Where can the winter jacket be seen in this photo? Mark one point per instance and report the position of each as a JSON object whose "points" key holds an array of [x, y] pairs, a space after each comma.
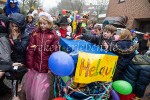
{"points": [[19, 48], [30, 27], [41, 45], [5, 50], [138, 75], [126, 51], [86, 30]]}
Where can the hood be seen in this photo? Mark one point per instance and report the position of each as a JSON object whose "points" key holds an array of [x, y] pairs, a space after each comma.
{"points": [[18, 19], [125, 47]]}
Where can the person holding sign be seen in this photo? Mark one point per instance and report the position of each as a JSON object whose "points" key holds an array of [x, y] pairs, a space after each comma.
{"points": [[125, 49], [102, 39]]}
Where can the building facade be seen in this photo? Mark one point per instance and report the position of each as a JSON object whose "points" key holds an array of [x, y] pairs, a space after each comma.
{"points": [[137, 11]]}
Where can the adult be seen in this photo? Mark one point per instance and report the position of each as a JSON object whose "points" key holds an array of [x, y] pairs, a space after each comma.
{"points": [[144, 44], [11, 7]]}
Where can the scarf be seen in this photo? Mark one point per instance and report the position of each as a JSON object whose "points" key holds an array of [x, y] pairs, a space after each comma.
{"points": [[63, 32]]}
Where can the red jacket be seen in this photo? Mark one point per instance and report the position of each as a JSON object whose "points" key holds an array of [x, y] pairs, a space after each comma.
{"points": [[41, 46]]}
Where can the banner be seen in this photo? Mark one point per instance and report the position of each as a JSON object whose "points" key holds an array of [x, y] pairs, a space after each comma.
{"points": [[95, 67]]}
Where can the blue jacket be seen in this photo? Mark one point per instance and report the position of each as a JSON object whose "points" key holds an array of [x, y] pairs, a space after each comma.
{"points": [[125, 49]]}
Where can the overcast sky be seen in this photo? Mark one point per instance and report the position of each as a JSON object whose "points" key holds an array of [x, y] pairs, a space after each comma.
{"points": [[49, 3]]}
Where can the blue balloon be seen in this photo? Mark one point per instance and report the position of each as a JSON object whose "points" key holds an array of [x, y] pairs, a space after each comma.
{"points": [[61, 63]]}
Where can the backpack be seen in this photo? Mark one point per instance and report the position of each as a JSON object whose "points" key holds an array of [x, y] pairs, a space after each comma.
{"points": [[141, 60]]}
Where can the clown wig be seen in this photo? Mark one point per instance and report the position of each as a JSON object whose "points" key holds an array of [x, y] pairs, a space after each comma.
{"points": [[9, 9]]}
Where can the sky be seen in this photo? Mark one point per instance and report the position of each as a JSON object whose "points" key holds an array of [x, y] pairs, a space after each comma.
{"points": [[47, 4]]}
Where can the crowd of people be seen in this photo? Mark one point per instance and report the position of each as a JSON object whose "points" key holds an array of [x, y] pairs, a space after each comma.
{"points": [[28, 41]]}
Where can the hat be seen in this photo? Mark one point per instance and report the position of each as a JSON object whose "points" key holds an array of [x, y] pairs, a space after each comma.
{"points": [[64, 20], [32, 8], [30, 14], [46, 15], [18, 19], [106, 22]]}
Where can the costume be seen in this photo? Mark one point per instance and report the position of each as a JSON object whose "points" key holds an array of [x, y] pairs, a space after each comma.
{"points": [[9, 10], [38, 83]]}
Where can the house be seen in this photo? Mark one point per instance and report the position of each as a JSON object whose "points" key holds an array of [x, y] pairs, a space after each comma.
{"points": [[137, 11], [96, 9]]}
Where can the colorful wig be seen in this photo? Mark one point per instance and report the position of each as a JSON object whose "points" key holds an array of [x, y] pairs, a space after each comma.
{"points": [[9, 9]]}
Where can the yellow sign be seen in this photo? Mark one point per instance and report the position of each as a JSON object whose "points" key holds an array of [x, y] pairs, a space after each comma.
{"points": [[95, 67]]}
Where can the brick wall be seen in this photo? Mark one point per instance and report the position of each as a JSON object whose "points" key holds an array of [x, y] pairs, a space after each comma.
{"points": [[134, 9]]}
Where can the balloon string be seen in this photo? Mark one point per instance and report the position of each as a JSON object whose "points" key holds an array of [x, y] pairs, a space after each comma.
{"points": [[106, 89], [76, 90], [55, 87]]}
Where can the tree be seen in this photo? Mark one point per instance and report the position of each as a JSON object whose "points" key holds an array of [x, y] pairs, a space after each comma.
{"points": [[69, 5], [54, 11], [29, 4]]}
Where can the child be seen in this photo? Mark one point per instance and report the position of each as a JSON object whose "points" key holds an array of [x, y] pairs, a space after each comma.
{"points": [[18, 37], [19, 41], [89, 27], [43, 42], [102, 40], [63, 24], [125, 49], [97, 30], [30, 23]]}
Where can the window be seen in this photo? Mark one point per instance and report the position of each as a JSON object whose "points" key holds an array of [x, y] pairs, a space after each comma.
{"points": [[120, 1]]}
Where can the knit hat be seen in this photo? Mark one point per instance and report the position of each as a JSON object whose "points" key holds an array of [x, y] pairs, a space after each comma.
{"points": [[30, 14], [46, 15]]}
